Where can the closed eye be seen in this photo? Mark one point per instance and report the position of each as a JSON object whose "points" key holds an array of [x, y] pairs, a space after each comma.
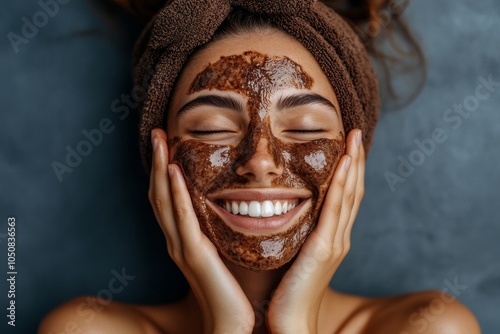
{"points": [[306, 131], [304, 135], [210, 132]]}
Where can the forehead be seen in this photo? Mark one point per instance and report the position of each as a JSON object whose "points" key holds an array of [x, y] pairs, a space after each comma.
{"points": [[251, 72], [272, 44]]}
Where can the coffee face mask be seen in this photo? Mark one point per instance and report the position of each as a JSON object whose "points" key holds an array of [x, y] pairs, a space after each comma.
{"points": [[211, 169]]}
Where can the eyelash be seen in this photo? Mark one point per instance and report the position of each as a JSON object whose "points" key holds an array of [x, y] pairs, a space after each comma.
{"points": [[306, 131], [209, 132]]}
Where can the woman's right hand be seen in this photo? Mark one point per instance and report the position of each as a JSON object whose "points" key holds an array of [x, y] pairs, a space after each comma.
{"points": [[223, 303]]}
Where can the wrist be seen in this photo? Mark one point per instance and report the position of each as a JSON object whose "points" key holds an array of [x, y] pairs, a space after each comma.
{"points": [[303, 320], [295, 329], [231, 327]]}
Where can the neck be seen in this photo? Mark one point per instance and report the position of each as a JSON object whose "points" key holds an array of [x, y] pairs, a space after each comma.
{"points": [[258, 287]]}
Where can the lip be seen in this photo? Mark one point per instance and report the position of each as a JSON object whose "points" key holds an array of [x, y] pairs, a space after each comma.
{"points": [[260, 195], [251, 225]]}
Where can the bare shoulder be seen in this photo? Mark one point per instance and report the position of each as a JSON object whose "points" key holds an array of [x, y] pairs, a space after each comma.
{"points": [[432, 312], [87, 315]]}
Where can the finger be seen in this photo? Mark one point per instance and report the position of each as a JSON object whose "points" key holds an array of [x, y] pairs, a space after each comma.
{"points": [[332, 205], [349, 197], [185, 217], [360, 191], [159, 194], [159, 133]]}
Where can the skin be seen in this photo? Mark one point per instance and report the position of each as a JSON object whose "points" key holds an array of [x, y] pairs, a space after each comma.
{"points": [[295, 298]]}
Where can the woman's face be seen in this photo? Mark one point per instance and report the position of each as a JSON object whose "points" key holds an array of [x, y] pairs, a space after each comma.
{"points": [[255, 126]]}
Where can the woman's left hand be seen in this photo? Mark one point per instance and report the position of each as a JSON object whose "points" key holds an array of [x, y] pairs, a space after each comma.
{"points": [[295, 305]]}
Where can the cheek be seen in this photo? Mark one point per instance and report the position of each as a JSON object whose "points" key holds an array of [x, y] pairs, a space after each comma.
{"points": [[200, 162], [314, 162]]}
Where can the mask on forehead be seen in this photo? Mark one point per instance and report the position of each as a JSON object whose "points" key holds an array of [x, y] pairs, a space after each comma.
{"points": [[210, 168]]}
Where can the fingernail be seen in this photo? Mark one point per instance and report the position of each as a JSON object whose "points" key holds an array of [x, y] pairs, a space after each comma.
{"points": [[358, 137], [347, 163], [155, 144]]}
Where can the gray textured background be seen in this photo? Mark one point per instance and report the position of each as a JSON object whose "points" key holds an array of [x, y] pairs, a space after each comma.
{"points": [[440, 225]]}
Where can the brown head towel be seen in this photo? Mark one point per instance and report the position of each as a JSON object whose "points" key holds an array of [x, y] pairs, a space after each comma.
{"points": [[184, 25]]}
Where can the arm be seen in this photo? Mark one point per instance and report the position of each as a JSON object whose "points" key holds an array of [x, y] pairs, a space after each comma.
{"points": [[223, 303]]}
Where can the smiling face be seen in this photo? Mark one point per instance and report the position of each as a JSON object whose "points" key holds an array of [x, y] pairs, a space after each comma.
{"points": [[254, 125]]}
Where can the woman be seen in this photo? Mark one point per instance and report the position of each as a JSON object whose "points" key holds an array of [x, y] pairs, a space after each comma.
{"points": [[254, 130]]}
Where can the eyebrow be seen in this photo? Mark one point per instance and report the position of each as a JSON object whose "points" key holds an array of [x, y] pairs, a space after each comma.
{"points": [[226, 102], [297, 100]]}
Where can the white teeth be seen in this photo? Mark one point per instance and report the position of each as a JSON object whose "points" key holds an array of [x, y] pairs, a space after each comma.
{"points": [[243, 209], [277, 208], [235, 208], [254, 209], [267, 209], [259, 209]]}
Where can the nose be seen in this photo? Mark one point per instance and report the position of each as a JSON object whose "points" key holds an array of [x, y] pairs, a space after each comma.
{"points": [[261, 167]]}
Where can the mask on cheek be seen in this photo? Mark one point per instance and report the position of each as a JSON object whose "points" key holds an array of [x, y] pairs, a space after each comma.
{"points": [[209, 169]]}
